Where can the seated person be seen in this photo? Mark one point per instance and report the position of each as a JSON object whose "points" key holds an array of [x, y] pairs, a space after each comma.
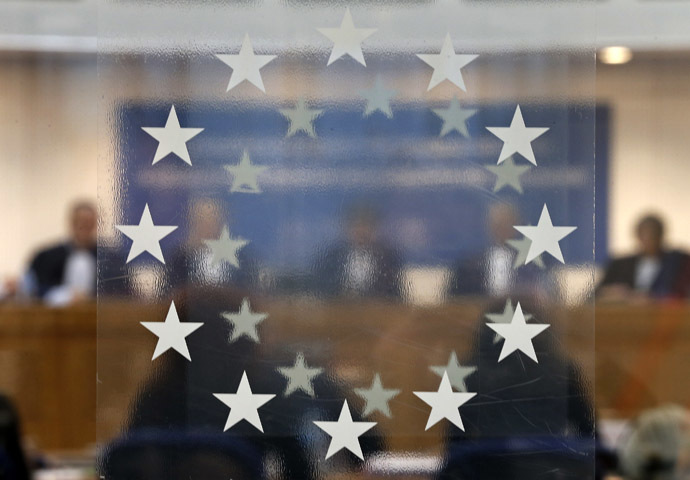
{"points": [[651, 273], [360, 264], [66, 272]]}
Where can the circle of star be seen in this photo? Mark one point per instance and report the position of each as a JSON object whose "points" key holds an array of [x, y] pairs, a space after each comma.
{"points": [[378, 98], [244, 175], [300, 376], [246, 65], [447, 65], [517, 138], [457, 374], [347, 39], [518, 334], [244, 322], [146, 236], [377, 397], [172, 138], [225, 248], [345, 433], [454, 118], [508, 175], [545, 237], [504, 317], [301, 119], [172, 333], [445, 403], [244, 405]]}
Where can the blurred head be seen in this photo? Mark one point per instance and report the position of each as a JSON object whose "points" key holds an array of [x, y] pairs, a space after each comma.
{"points": [[650, 234], [501, 219], [205, 219], [361, 225], [659, 445], [83, 222]]}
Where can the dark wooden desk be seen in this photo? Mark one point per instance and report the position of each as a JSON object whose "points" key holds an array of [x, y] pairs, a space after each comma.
{"points": [[48, 356]]}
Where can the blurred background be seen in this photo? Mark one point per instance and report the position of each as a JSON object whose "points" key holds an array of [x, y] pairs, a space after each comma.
{"points": [[58, 73]]}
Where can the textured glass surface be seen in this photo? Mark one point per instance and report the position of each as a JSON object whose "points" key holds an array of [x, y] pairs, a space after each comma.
{"points": [[371, 249]]}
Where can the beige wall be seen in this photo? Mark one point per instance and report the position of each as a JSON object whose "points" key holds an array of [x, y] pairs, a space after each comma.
{"points": [[47, 149], [48, 146]]}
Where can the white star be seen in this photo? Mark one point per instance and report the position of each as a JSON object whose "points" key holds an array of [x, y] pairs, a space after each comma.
{"points": [[146, 236], [345, 433], [517, 138], [226, 248], [172, 138], [245, 175], [456, 372], [347, 39], [300, 376], [244, 322], [521, 246], [378, 98], [171, 333], [244, 405], [518, 334], [505, 317], [377, 397], [301, 118], [454, 118], [508, 175], [445, 403], [545, 237], [447, 64], [246, 65]]}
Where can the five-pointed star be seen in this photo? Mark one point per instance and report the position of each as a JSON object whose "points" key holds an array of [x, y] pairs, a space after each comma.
{"points": [[517, 138], [447, 64], [545, 237], [172, 138], [171, 333], [505, 317], [454, 118], [347, 39], [522, 247], [244, 322], [518, 334], [301, 118], [146, 236], [244, 175], [226, 248], [456, 372], [345, 433], [445, 403], [244, 405], [300, 376], [508, 174], [246, 65], [378, 97], [377, 397]]}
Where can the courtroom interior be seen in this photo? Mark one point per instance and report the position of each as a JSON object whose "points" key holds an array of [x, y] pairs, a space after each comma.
{"points": [[333, 238]]}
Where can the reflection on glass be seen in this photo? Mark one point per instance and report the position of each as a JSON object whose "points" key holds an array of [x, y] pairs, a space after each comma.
{"points": [[344, 246]]}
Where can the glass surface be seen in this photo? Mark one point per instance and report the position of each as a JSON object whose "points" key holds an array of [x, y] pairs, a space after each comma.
{"points": [[372, 249]]}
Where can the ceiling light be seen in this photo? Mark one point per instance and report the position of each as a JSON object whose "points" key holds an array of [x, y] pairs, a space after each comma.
{"points": [[615, 55]]}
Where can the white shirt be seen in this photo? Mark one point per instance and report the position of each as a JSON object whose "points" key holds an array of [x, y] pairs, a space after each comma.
{"points": [[499, 275], [646, 271]]}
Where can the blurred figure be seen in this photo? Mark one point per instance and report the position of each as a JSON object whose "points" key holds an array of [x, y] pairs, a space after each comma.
{"points": [[494, 272], [529, 419], [66, 273], [653, 272], [194, 264], [360, 264], [13, 464], [658, 447]]}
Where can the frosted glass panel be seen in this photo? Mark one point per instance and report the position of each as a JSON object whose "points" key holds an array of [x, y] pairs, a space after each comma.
{"points": [[346, 241]]}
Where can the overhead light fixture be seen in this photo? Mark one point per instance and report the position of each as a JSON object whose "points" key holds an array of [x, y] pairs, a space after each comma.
{"points": [[615, 55]]}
